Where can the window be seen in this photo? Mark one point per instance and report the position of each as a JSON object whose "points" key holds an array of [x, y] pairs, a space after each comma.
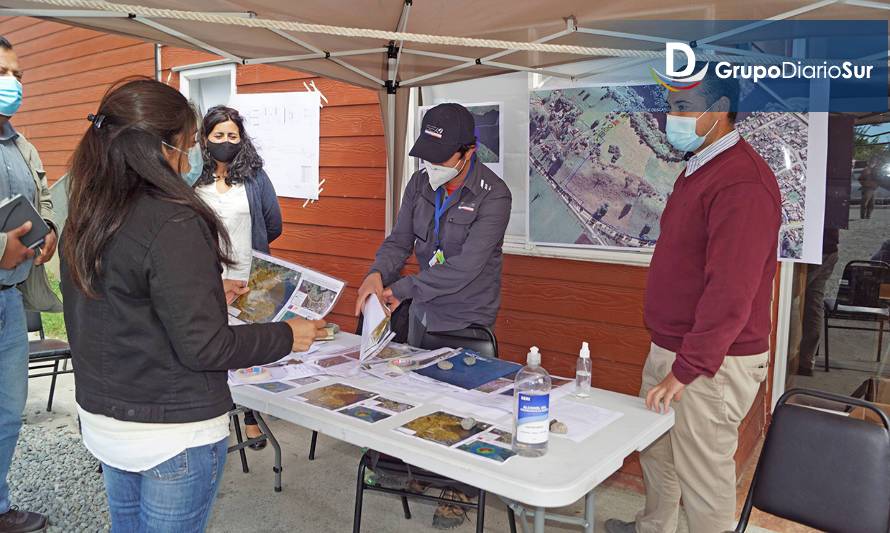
{"points": [[207, 86]]}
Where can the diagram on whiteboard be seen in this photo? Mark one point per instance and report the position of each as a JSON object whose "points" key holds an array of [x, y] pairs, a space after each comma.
{"points": [[601, 170], [285, 129]]}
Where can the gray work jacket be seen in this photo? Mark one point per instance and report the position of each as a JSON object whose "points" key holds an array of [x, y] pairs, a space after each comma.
{"points": [[466, 289], [36, 292]]}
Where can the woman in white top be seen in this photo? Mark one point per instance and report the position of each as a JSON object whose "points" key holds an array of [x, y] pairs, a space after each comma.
{"points": [[235, 186]]}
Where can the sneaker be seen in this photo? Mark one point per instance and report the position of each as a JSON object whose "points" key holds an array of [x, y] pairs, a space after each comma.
{"points": [[449, 516], [620, 526], [15, 521]]}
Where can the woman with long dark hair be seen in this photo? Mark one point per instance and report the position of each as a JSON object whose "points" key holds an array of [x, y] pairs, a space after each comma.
{"points": [[146, 312], [234, 184]]}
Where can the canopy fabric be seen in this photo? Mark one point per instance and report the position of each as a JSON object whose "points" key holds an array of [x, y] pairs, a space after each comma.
{"points": [[355, 52], [523, 21]]}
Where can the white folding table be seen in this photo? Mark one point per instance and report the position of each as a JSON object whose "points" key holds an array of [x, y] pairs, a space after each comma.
{"points": [[568, 472]]}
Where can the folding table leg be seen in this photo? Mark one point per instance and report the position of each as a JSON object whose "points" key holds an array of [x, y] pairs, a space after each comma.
{"points": [[825, 342], [277, 468], [880, 339], [589, 512], [540, 518]]}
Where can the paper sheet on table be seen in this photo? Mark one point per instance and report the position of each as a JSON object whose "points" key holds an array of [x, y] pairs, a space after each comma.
{"points": [[276, 373], [582, 417], [376, 332]]}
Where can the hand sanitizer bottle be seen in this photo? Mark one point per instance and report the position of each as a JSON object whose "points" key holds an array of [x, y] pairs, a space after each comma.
{"points": [[582, 372], [531, 408]]}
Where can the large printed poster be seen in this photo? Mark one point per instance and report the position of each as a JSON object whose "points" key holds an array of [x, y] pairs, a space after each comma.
{"points": [[601, 170]]}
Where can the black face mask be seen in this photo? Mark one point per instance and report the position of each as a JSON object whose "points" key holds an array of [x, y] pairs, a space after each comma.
{"points": [[225, 151]]}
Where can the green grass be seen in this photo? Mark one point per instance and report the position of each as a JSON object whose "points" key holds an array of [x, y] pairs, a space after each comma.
{"points": [[54, 323]]}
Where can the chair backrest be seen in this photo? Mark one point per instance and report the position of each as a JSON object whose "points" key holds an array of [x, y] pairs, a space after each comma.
{"points": [[480, 339], [860, 284], [35, 323], [824, 470]]}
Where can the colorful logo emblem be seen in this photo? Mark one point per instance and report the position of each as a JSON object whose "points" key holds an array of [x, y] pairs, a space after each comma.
{"points": [[683, 79]]}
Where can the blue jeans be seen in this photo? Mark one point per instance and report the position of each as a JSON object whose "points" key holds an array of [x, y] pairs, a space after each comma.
{"points": [[174, 497], [13, 381]]}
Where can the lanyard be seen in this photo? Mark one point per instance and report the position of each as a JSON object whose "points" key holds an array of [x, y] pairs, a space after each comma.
{"points": [[442, 205]]}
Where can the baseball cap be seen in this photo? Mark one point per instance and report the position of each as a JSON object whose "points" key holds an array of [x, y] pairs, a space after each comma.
{"points": [[445, 128]]}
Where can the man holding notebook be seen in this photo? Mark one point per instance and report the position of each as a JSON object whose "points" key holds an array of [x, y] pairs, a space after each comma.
{"points": [[23, 282]]}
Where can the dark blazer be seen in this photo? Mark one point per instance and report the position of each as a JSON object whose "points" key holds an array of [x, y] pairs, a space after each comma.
{"points": [[265, 213], [155, 345]]}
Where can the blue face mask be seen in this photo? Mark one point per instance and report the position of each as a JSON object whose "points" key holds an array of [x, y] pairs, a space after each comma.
{"points": [[10, 95], [681, 132], [196, 163]]}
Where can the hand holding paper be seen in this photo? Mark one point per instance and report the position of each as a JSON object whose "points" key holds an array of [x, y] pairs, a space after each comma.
{"points": [[376, 332]]}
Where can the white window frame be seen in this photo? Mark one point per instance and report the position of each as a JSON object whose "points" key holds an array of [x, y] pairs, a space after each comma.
{"points": [[188, 73]]}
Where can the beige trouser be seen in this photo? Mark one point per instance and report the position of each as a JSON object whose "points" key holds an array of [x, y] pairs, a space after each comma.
{"points": [[695, 459]]}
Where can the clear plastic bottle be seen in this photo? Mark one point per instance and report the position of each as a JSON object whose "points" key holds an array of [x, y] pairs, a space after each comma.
{"points": [[531, 408], [582, 372]]}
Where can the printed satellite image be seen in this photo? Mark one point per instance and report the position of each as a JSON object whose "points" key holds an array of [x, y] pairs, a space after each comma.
{"points": [[271, 286], [600, 167], [488, 132]]}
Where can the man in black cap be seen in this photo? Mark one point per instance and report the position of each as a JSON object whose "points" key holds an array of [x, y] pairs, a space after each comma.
{"points": [[453, 216]]}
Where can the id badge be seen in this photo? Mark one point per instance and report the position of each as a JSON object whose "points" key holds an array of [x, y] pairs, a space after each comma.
{"points": [[438, 258]]}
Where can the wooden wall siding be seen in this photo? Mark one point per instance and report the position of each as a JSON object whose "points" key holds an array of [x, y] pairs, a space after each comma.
{"points": [[67, 70], [340, 233]]}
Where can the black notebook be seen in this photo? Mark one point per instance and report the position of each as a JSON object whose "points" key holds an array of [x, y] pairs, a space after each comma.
{"points": [[14, 212]]}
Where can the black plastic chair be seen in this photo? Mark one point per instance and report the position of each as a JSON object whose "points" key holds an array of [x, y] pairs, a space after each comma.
{"points": [[858, 299], [823, 470], [482, 340], [46, 353]]}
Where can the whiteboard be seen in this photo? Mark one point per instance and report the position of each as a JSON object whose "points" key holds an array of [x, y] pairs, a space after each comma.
{"points": [[284, 129]]}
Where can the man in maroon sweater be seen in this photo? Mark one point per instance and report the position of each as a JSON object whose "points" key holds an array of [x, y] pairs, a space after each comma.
{"points": [[708, 311]]}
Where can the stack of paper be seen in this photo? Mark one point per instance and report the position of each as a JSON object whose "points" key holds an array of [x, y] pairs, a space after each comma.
{"points": [[376, 331]]}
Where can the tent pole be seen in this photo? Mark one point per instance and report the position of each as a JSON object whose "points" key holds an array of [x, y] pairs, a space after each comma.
{"points": [[187, 38], [344, 64], [320, 55], [570, 28], [61, 13], [390, 160]]}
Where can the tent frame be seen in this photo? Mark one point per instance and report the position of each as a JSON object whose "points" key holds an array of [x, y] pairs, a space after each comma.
{"points": [[393, 52]]}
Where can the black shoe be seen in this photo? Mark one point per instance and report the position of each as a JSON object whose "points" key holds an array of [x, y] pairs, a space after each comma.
{"points": [[805, 371], [15, 521], [259, 445], [620, 526]]}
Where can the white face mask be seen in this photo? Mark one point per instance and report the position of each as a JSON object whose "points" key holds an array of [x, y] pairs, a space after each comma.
{"points": [[440, 175]]}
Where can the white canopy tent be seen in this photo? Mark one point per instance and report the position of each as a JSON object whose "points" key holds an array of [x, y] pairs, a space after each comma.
{"points": [[390, 45]]}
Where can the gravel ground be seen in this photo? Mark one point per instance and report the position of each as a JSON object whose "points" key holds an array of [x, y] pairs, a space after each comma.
{"points": [[52, 473]]}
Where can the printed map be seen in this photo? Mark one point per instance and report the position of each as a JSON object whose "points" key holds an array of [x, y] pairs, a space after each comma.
{"points": [[601, 170]]}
